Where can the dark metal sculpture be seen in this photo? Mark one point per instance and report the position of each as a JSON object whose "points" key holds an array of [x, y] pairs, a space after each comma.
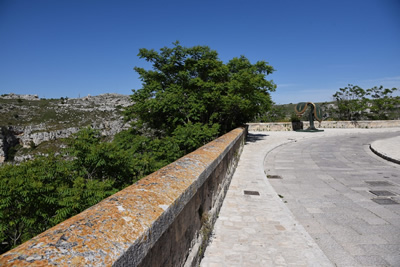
{"points": [[315, 114]]}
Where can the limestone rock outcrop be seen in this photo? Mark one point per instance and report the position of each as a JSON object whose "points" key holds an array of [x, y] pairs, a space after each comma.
{"points": [[30, 121]]}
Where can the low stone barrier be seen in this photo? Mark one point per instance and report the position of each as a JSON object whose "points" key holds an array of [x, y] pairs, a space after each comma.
{"points": [[163, 220], [290, 126]]}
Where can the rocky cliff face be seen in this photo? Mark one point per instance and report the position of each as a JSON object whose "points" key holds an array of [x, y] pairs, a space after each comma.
{"points": [[30, 121], [7, 140]]}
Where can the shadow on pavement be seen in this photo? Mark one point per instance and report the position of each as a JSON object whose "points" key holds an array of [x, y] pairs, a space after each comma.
{"points": [[252, 138]]}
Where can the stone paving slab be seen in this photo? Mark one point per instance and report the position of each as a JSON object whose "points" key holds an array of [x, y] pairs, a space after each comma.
{"points": [[261, 230], [354, 229]]}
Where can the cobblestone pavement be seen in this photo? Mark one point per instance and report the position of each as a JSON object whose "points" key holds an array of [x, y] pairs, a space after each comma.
{"points": [[320, 213]]}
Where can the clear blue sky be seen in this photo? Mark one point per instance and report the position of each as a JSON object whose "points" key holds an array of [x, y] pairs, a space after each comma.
{"points": [[73, 48]]}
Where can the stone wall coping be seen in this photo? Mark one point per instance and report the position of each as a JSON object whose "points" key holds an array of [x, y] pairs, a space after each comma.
{"points": [[288, 126], [130, 220]]}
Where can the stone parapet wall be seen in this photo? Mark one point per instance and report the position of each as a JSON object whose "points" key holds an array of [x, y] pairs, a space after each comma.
{"points": [[289, 126], [162, 220]]}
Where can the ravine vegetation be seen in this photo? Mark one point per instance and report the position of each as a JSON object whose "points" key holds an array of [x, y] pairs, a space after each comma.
{"points": [[188, 98]]}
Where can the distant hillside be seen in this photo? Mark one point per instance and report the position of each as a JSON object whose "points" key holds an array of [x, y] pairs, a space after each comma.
{"points": [[30, 123]]}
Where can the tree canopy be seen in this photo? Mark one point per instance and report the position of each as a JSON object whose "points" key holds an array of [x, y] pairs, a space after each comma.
{"points": [[356, 103], [192, 96], [40, 193]]}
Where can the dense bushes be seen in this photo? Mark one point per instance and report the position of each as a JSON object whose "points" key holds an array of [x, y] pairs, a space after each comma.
{"points": [[43, 192], [38, 194]]}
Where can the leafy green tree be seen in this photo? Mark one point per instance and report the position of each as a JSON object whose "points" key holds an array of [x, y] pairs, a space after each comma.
{"points": [[351, 103], [382, 104], [355, 103], [192, 96], [97, 160], [147, 154]]}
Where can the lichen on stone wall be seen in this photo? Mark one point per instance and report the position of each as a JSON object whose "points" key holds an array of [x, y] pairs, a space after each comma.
{"points": [[137, 225]]}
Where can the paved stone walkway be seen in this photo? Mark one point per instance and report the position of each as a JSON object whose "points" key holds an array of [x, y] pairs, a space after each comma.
{"points": [[292, 221]]}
